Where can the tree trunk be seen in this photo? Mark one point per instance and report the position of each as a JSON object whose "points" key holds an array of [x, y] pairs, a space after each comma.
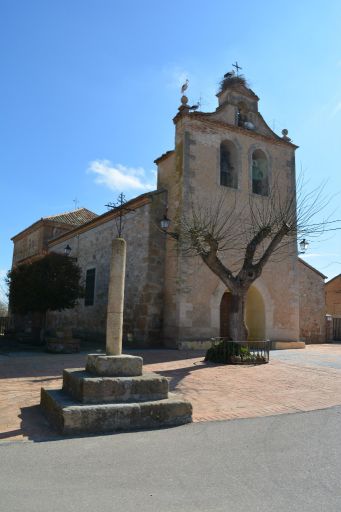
{"points": [[238, 329]]}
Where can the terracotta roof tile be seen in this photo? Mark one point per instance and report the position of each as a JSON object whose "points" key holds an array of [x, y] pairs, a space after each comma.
{"points": [[74, 218]]}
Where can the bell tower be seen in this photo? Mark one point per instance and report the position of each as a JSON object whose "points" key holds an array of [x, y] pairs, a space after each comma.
{"points": [[230, 151]]}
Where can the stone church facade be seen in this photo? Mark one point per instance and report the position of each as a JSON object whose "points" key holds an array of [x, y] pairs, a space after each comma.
{"points": [[174, 300]]}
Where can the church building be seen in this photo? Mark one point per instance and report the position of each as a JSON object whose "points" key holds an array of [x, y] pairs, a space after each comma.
{"points": [[175, 300]]}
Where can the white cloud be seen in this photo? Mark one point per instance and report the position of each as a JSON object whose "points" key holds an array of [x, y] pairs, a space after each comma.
{"points": [[119, 177]]}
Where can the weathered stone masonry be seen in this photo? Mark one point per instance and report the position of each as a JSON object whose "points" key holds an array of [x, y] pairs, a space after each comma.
{"points": [[91, 246]]}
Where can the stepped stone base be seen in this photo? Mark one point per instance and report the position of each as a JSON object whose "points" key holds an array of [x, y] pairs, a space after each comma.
{"points": [[71, 418], [86, 388], [111, 395]]}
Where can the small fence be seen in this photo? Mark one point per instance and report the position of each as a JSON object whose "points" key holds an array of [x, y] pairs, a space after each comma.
{"points": [[4, 324], [242, 352]]}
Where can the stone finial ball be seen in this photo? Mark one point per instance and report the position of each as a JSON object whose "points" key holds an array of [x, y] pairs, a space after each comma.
{"points": [[285, 132], [184, 100]]}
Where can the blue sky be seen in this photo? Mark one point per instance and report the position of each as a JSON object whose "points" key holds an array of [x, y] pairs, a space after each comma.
{"points": [[89, 89]]}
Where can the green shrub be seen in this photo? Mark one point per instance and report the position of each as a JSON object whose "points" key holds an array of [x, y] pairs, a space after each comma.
{"points": [[227, 352]]}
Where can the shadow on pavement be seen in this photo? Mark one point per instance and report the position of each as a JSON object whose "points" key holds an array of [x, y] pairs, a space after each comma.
{"points": [[35, 426], [38, 365], [177, 375], [22, 364]]}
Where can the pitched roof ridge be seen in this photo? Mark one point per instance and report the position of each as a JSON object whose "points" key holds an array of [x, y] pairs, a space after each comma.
{"points": [[108, 215], [333, 278], [68, 213]]}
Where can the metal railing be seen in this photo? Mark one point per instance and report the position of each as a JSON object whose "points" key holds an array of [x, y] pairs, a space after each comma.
{"points": [[241, 352]]}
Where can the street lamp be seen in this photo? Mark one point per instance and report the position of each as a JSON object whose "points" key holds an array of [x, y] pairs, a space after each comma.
{"points": [[67, 250], [303, 246]]}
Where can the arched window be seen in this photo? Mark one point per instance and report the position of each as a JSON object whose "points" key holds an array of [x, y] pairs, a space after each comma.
{"points": [[260, 173], [228, 168], [241, 114]]}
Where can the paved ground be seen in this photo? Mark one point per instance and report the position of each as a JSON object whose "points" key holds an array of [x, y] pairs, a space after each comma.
{"points": [[287, 463], [293, 381]]}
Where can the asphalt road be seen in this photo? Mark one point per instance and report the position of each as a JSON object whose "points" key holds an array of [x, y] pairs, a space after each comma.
{"points": [[280, 463]]}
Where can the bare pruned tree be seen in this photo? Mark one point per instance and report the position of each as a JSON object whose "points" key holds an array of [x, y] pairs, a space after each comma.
{"points": [[249, 235]]}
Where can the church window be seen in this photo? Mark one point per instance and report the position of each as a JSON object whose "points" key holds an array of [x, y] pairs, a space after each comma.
{"points": [[228, 170], [260, 173], [241, 114], [89, 287]]}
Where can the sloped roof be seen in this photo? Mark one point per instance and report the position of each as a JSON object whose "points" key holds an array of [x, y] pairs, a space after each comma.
{"points": [[75, 217], [333, 279], [130, 205]]}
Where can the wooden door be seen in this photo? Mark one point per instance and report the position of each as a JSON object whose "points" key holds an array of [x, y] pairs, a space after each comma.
{"points": [[225, 306], [336, 329]]}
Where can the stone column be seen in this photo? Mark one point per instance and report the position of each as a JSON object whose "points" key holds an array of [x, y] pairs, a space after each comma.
{"points": [[116, 298]]}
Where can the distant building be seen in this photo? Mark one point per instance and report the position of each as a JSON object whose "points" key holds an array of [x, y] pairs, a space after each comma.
{"points": [[333, 296]]}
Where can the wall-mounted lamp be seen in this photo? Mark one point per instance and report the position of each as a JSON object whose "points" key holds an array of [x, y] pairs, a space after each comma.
{"points": [[164, 224], [67, 250], [303, 246]]}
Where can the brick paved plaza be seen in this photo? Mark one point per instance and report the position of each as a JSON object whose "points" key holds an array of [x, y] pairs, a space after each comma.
{"points": [[293, 381]]}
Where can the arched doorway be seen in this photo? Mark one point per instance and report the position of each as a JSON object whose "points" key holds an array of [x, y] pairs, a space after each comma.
{"points": [[225, 306], [255, 314]]}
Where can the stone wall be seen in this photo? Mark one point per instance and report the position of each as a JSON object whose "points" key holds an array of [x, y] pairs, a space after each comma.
{"points": [[333, 296], [144, 275], [29, 245], [33, 242], [312, 305]]}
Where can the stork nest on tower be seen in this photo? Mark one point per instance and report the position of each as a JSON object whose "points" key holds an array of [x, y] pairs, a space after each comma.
{"points": [[230, 80]]}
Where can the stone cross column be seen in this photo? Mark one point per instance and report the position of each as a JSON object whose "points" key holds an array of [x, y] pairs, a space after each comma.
{"points": [[116, 298]]}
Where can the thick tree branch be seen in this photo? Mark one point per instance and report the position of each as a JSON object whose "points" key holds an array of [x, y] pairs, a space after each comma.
{"points": [[252, 246], [213, 262], [275, 241]]}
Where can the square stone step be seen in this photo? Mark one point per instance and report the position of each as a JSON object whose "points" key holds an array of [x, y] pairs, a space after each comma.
{"points": [[71, 418], [90, 389], [114, 366]]}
